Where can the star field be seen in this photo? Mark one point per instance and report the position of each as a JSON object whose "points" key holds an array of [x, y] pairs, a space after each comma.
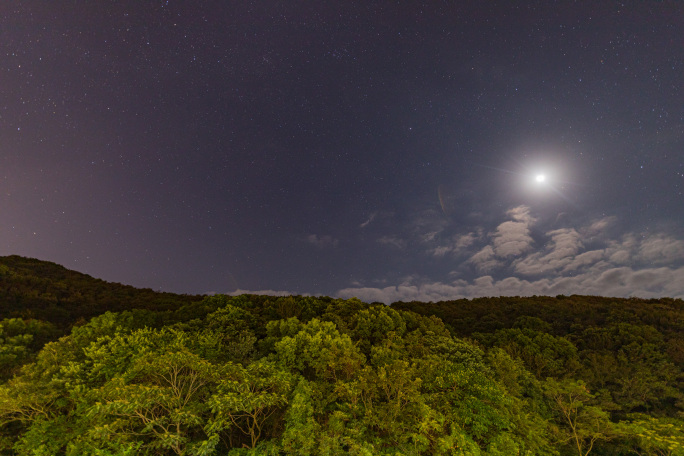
{"points": [[371, 149]]}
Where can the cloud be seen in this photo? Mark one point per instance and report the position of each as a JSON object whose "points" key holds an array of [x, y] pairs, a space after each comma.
{"points": [[427, 225], [485, 260], [323, 241], [430, 236], [370, 219], [584, 259], [622, 250], [510, 239], [521, 214], [619, 257], [661, 249], [600, 226], [441, 250], [513, 238], [511, 247], [615, 282], [458, 244], [561, 251], [392, 241]]}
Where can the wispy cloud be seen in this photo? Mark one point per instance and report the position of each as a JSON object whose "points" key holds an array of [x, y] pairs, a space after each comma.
{"points": [[392, 241], [370, 219], [599, 227], [456, 245], [427, 225]]}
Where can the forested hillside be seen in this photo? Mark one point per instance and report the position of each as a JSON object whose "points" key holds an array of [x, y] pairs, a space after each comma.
{"points": [[43, 290], [220, 375]]}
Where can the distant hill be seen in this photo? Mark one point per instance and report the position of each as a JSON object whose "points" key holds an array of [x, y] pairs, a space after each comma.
{"points": [[564, 314], [31, 288], [610, 323]]}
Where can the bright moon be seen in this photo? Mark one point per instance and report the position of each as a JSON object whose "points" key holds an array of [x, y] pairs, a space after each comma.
{"points": [[540, 178]]}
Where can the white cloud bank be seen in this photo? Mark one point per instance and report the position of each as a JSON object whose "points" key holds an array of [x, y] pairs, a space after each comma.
{"points": [[558, 262], [616, 282]]}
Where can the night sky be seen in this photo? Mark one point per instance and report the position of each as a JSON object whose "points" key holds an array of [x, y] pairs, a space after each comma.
{"points": [[384, 150]]}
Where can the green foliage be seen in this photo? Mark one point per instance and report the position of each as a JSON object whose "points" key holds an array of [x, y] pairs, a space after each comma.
{"points": [[20, 340], [319, 351], [301, 428], [248, 397], [544, 355], [654, 436], [580, 424]]}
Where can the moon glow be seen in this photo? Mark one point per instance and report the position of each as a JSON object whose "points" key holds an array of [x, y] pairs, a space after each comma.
{"points": [[540, 178]]}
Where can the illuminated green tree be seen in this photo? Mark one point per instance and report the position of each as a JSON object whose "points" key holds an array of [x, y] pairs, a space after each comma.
{"points": [[580, 424]]}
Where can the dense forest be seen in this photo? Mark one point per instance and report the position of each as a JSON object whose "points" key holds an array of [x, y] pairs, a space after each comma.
{"points": [[95, 368]]}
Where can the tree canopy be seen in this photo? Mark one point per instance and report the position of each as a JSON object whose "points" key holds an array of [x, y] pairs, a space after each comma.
{"points": [[261, 375]]}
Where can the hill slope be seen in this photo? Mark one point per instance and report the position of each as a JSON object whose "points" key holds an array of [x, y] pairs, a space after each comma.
{"points": [[42, 290]]}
